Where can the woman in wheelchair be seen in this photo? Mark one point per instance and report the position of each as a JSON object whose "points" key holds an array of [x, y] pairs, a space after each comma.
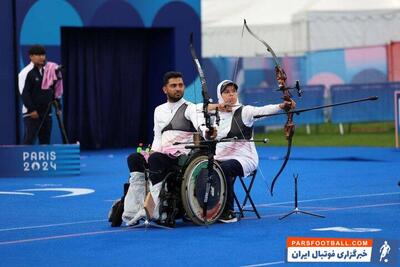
{"points": [[238, 158]]}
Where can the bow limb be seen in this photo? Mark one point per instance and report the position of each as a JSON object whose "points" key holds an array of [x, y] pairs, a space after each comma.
{"points": [[269, 48], [208, 123], [289, 125], [204, 90], [289, 147]]}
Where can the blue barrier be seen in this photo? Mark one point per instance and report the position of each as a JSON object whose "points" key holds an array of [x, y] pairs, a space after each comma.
{"points": [[313, 96], [40, 160], [380, 110]]}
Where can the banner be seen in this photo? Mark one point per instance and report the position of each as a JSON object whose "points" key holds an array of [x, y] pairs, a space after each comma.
{"points": [[39, 160]]}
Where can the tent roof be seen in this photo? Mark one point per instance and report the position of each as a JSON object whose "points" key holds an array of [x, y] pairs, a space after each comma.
{"points": [[225, 13], [293, 27]]}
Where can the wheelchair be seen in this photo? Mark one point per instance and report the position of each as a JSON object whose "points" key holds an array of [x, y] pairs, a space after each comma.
{"points": [[184, 188]]}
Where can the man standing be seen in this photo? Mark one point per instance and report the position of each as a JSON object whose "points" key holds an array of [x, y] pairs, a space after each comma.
{"points": [[36, 101]]}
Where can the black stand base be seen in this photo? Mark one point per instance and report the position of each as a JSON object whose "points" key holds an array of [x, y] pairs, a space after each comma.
{"points": [[296, 209], [148, 224]]}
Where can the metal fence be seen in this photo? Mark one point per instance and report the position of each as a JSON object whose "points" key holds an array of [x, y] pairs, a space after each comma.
{"points": [[380, 110], [312, 96]]}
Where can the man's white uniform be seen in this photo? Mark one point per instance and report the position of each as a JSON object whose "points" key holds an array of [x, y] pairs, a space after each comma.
{"points": [[163, 141]]}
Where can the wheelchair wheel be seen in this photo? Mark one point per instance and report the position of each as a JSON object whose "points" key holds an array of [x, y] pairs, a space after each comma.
{"points": [[193, 190]]}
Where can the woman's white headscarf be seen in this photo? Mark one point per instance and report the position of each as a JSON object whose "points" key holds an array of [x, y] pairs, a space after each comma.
{"points": [[221, 87]]}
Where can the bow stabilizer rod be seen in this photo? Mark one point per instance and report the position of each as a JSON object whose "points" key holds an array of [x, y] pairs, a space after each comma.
{"points": [[297, 112]]}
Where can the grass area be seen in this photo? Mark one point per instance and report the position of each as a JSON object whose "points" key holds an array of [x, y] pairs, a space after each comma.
{"points": [[377, 134]]}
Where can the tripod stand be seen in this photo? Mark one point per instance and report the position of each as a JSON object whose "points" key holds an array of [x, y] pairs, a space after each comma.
{"points": [[59, 119], [296, 209]]}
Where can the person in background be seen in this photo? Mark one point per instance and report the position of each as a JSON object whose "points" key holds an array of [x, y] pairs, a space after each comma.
{"points": [[36, 86]]}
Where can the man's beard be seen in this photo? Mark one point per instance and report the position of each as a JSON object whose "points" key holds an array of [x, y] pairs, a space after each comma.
{"points": [[173, 98], [40, 64]]}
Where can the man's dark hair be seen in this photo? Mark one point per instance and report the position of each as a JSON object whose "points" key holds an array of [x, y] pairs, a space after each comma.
{"points": [[37, 50], [171, 74]]}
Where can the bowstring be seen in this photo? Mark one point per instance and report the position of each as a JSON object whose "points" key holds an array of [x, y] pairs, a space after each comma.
{"points": [[235, 70], [237, 124], [195, 99]]}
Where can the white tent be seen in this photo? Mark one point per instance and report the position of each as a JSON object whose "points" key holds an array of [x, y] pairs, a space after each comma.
{"points": [[297, 26]]}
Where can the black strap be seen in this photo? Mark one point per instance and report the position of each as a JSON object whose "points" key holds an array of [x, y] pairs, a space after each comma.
{"points": [[238, 128], [179, 121]]}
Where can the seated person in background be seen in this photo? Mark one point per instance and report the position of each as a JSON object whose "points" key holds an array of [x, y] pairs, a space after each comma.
{"points": [[241, 158]]}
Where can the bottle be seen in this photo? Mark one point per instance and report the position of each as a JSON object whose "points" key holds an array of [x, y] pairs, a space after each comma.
{"points": [[139, 148]]}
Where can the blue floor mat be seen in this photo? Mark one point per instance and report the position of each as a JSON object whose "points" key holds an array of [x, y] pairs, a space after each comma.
{"points": [[354, 188]]}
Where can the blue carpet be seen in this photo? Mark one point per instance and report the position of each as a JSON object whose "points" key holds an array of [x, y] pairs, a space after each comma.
{"points": [[352, 187]]}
